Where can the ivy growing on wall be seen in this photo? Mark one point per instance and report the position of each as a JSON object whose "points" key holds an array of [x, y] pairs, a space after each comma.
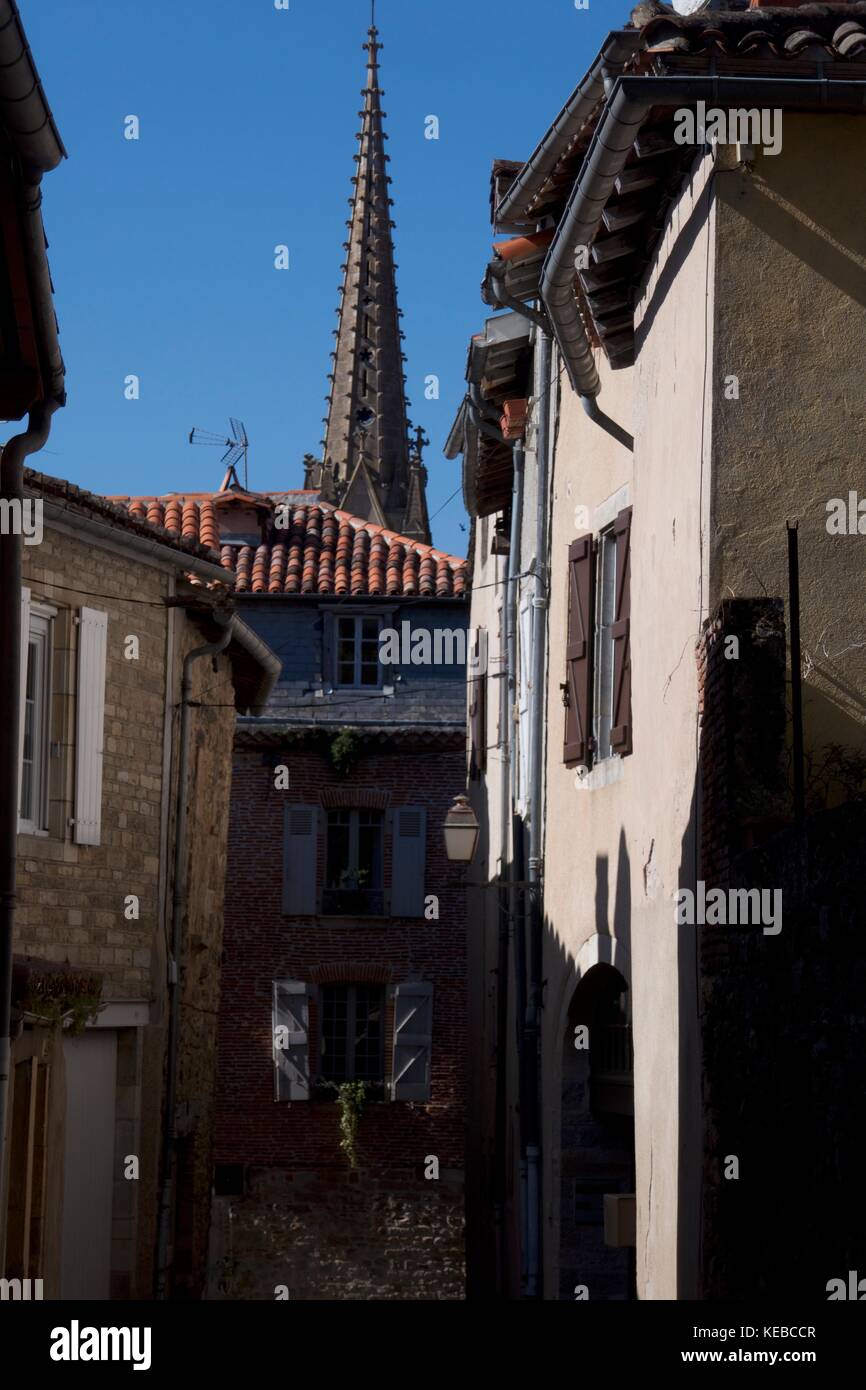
{"points": [[345, 751]]}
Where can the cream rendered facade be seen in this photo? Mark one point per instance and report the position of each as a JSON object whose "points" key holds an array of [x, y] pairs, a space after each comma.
{"points": [[759, 276]]}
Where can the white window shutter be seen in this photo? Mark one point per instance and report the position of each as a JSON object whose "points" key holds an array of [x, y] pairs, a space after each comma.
{"points": [[90, 724], [413, 1037], [25, 655], [523, 702], [300, 836], [291, 1040], [408, 857]]}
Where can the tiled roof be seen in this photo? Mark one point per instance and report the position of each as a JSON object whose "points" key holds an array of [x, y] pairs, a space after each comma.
{"points": [[78, 501], [321, 551], [833, 30]]}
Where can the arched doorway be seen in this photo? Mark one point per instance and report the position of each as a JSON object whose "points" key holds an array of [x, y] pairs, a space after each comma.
{"points": [[597, 1137]]}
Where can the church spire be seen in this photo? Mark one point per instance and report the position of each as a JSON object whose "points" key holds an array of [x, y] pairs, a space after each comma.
{"points": [[368, 466]]}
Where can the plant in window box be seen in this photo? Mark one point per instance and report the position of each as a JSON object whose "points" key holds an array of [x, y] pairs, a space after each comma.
{"points": [[354, 880]]}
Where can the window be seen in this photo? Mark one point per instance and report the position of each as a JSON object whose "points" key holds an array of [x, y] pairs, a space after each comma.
{"points": [[358, 652], [36, 719], [323, 1037], [353, 875], [597, 689], [605, 611], [351, 1036]]}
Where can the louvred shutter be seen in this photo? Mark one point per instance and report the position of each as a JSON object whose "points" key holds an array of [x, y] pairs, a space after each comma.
{"points": [[90, 724], [477, 736], [25, 657], [620, 734], [409, 856], [300, 834], [578, 652], [477, 681]]}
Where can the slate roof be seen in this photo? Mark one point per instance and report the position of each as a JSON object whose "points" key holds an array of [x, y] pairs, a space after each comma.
{"points": [[322, 550]]}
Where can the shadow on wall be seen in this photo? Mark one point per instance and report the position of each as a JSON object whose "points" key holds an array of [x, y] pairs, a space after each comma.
{"points": [[825, 234], [595, 1122], [783, 1026]]}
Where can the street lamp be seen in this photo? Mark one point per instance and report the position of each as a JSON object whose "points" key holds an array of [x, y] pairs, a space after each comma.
{"points": [[461, 831]]}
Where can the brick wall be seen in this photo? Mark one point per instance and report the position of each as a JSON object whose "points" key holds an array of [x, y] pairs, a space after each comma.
{"points": [[298, 1181]]}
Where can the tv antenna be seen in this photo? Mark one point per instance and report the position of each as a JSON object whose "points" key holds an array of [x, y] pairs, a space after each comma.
{"points": [[235, 449]]}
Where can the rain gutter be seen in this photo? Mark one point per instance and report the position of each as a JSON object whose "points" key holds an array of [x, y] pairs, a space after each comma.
{"points": [[618, 49], [628, 105]]}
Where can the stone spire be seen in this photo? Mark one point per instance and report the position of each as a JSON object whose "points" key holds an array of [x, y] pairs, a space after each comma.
{"points": [[368, 466]]}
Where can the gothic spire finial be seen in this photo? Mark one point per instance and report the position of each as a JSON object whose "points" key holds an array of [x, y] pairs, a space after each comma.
{"points": [[368, 429]]}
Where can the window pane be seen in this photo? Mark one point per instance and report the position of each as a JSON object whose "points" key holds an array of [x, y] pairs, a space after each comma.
{"points": [[370, 849], [357, 1055], [346, 648], [338, 865], [605, 607], [29, 716], [334, 1029], [368, 1033]]}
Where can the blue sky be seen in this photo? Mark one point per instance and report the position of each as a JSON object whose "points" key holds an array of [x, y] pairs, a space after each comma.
{"points": [[162, 250]]}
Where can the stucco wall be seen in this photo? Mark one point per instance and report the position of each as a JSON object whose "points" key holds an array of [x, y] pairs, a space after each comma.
{"points": [[615, 853], [484, 910], [791, 325]]}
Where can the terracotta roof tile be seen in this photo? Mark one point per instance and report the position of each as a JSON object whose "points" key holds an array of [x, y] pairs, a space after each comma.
{"points": [[321, 551]]}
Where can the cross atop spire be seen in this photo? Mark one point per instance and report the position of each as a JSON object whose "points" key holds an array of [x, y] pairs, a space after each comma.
{"points": [[367, 466]]}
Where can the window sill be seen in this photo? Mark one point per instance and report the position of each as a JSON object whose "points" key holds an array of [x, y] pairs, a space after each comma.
{"points": [[604, 774], [342, 919]]}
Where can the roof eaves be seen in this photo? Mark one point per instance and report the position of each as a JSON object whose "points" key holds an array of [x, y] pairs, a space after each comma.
{"points": [[29, 125]]}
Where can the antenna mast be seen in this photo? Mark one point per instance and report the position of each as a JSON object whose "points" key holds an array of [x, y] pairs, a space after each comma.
{"points": [[236, 449]]}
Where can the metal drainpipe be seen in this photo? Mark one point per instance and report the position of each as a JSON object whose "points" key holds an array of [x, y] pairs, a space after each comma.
{"points": [[165, 1254], [535, 876], [509, 774], [21, 446]]}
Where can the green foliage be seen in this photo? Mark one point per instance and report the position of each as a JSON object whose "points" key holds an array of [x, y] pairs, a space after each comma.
{"points": [[345, 751], [350, 1098], [73, 1010]]}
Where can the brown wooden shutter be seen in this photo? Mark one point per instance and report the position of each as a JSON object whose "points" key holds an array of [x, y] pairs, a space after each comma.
{"points": [[477, 722], [620, 734], [578, 652]]}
